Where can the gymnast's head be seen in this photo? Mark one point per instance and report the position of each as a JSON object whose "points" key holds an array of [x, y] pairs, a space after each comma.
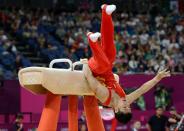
{"points": [[123, 112], [123, 117]]}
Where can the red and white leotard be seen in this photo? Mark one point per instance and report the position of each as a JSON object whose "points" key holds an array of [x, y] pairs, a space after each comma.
{"points": [[104, 55]]}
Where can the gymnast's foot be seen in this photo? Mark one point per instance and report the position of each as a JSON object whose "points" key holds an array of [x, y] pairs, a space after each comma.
{"points": [[94, 36], [109, 9]]}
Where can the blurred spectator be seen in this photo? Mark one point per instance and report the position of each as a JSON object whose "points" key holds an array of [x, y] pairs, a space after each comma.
{"points": [[136, 126], [18, 124], [158, 122], [141, 103], [18, 61], [174, 118], [162, 97], [82, 122], [133, 64]]}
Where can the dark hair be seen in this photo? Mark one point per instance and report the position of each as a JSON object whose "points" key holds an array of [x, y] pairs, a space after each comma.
{"points": [[19, 116], [172, 108], [159, 107], [123, 117]]}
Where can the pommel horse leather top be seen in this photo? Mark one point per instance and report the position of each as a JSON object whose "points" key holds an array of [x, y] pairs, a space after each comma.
{"points": [[40, 80]]}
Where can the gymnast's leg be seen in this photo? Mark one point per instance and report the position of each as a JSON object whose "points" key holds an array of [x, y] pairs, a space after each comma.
{"points": [[98, 63], [107, 32]]}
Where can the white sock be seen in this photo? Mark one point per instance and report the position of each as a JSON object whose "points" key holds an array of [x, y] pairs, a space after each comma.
{"points": [[110, 9], [94, 37]]}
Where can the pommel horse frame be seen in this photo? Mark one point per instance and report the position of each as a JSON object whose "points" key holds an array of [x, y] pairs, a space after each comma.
{"points": [[55, 83]]}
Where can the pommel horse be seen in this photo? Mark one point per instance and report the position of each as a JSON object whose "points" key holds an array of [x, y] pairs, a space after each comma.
{"points": [[55, 83]]}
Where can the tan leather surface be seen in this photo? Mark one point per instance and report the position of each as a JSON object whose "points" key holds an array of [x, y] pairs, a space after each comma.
{"points": [[39, 80]]}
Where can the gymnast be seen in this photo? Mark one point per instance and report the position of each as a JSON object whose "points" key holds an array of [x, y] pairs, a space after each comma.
{"points": [[98, 70], [104, 52], [121, 105]]}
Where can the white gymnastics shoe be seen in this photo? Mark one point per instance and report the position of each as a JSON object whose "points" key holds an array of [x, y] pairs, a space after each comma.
{"points": [[109, 9], [94, 36]]}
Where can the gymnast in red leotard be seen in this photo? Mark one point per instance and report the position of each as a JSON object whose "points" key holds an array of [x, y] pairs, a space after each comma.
{"points": [[104, 53], [108, 91]]}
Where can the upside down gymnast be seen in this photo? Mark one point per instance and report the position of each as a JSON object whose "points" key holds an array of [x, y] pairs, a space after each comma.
{"points": [[98, 70]]}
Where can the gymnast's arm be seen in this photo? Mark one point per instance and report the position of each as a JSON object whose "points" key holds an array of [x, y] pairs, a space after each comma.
{"points": [[101, 92], [147, 86]]}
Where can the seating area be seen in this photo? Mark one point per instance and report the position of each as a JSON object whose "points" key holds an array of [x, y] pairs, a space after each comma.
{"points": [[11, 60], [33, 37]]}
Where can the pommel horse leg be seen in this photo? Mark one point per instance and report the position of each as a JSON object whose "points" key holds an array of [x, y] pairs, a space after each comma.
{"points": [[73, 113], [94, 121], [50, 113]]}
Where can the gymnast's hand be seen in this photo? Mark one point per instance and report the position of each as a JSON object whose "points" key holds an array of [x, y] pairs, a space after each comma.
{"points": [[162, 74], [86, 69]]}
